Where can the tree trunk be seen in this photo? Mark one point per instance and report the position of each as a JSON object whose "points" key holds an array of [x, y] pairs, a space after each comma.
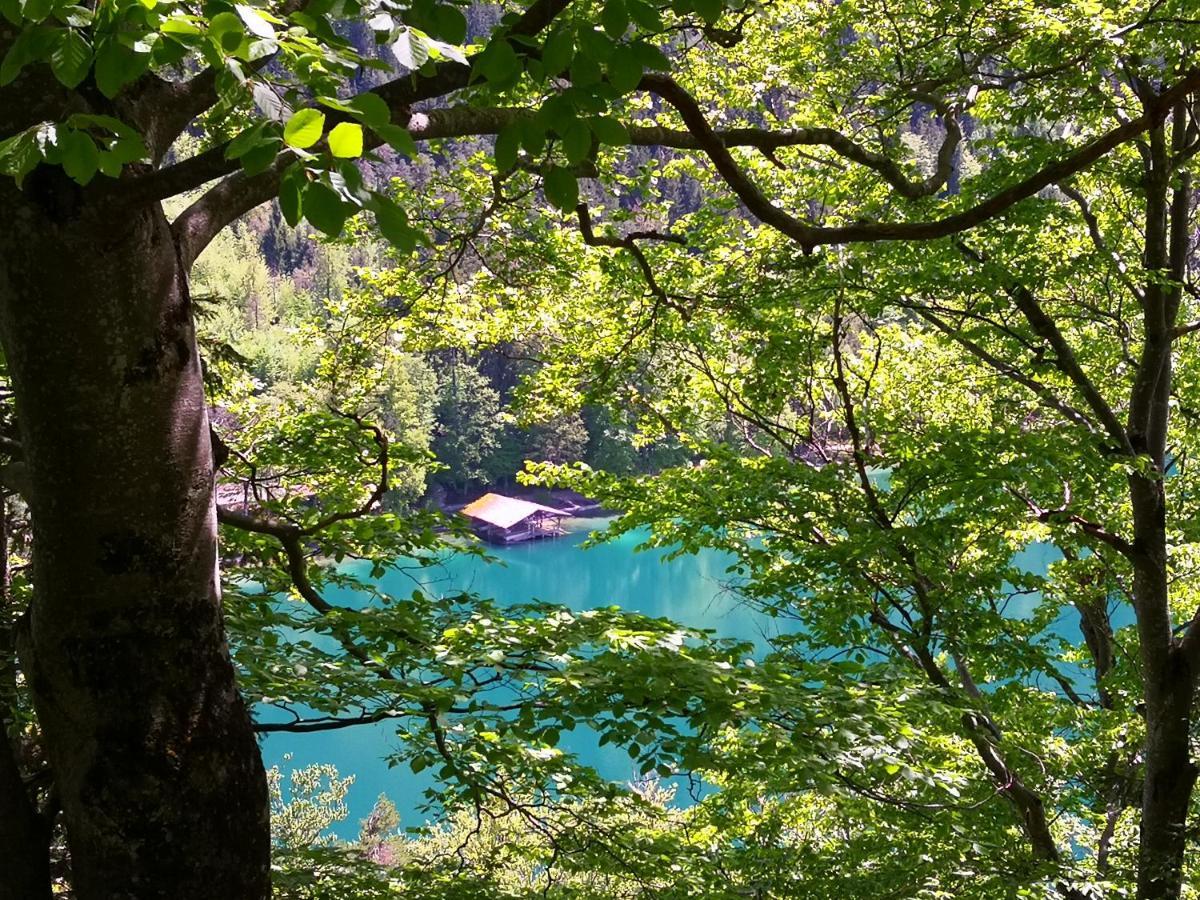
{"points": [[161, 782], [1170, 777], [1169, 688], [25, 862], [1167, 668], [24, 834]]}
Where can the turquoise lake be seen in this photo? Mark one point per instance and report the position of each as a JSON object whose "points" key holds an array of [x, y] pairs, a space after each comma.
{"points": [[693, 590]]}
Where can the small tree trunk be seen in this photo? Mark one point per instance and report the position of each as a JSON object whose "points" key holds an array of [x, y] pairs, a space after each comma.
{"points": [[1169, 686], [1170, 777], [161, 782], [24, 835], [25, 862]]}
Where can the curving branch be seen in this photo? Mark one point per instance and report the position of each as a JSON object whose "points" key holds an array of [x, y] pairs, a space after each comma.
{"points": [[329, 723], [235, 196], [629, 243], [224, 203], [1063, 515], [809, 236], [1093, 227], [768, 141], [469, 121]]}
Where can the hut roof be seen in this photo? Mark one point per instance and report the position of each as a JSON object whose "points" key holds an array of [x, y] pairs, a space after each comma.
{"points": [[505, 512]]}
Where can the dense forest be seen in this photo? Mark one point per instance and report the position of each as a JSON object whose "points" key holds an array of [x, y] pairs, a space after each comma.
{"points": [[871, 298]]}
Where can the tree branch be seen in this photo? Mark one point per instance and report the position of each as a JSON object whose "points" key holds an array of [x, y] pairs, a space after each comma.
{"points": [[809, 236], [307, 726], [629, 244], [1062, 515], [1042, 391], [1064, 356], [1093, 226], [224, 203]]}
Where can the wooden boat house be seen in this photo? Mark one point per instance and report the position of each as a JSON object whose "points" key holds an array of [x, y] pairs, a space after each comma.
{"points": [[507, 520]]}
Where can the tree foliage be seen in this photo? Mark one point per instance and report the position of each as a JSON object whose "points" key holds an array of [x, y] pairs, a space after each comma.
{"points": [[890, 292]]}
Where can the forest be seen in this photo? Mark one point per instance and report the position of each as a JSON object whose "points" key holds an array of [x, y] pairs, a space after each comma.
{"points": [[885, 309]]}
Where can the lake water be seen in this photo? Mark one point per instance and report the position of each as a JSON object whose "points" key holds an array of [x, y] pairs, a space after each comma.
{"points": [[693, 590]]}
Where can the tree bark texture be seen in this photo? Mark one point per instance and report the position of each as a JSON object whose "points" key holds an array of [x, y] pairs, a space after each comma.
{"points": [[161, 782]]}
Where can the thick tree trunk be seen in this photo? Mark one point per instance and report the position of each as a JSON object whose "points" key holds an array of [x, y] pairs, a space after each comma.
{"points": [[161, 782]]}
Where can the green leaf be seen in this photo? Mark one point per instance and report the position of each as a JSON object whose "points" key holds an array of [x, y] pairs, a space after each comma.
{"points": [[15, 59], [508, 143], [709, 10], [450, 51], [584, 71], [304, 128], [117, 66], [614, 18], [411, 48], [557, 51], [267, 101], [259, 158], [533, 135], [625, 68], [499, 62], [451, 24], [31, 45], [180, 26], [36, 10], [80, 156], [226, 29], [108, 123], [76, 16], [324, 209], [254, 21], [334, 103], [558, 114], [72, 58], [245, 141], [291, 194], [609, 131], [561, 188], [346, 140], [577, 142], [651, 57], [595, 44], [371, 109], [20, 154], [128, 148], [393, 223], [398, 139], [644, 15], [382, 23]]}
